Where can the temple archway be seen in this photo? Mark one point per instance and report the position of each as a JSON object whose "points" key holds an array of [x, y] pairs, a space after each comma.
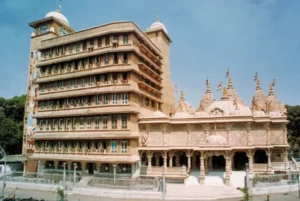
{"points": [[260, 156], [239, 160]]}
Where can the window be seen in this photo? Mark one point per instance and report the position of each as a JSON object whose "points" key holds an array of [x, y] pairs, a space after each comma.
{"points": [[116, 61], [99, 42], [84, 45], [116, 37], [82, 82], [106, 60], [147, 102], [107, 40], [68, 84], [105, 99], [48, 87], [105, 78], [92, 42], [114, 147], [114, 122], [62, 85], [104, 122], [41, 125], [55, 86], [77, 47], [123, 146], [75, 83], [60, 123], [41, 103], [125, 58], [90, 81], [124, 76], [81, 123], [114, 98], [70, 48], [67, 124], [74, 123], [54, 124], [124, 97], [42, 87], [89, 123], [47, 124], [152, 103], [96, 122], [125, 39], [48, 104], [124, 121], [156, 34]]}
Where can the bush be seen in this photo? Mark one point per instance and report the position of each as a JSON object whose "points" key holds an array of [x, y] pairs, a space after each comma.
{"points": [[267, 178]]}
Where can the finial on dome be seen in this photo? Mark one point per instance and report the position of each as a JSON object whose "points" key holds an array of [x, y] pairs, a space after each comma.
{"points": [[207, 86], [271, 92], [157, 17], [182, 95], [258, 87], [60, 6], [230, 85], [225, 95]]}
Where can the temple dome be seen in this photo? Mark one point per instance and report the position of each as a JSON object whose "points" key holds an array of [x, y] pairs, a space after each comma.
{"points": [[184, 109], [216, 140], [58, 15], [158, 114], [158, 24], [258, 113], [201, 114], [228, 108]]}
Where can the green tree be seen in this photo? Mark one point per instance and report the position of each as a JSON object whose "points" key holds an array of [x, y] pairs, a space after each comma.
{"points": [[293, 127], [11, 123]]}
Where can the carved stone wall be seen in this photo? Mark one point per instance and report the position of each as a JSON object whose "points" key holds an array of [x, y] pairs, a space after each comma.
{"points": [[197, 135], [277, 134], [155, 135], [259, 134], [238, 135], [178, 135]]}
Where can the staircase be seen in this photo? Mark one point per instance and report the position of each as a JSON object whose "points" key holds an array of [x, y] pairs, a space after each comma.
{"points": [[193, 179], [237, 179], [215, 178]]}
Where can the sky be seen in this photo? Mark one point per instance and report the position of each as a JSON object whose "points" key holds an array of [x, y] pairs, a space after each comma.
{"points": [[208, 37]]}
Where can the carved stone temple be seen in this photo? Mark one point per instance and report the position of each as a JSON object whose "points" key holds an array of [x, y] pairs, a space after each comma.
{"points": [[103, 98]]}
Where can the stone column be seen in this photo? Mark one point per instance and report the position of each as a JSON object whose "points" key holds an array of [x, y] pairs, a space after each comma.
{"points": [[202, 169], [156, 160], [83, 167], [206, 165], [177, 160], [250, 161], [165, 162], [269, 152], [227, 169], [189, 163], [171, 161], [149, 169]]}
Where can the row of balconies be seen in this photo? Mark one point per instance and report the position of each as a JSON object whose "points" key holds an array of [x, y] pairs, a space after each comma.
{"points": [[115, 122], [85, 101], [82, 64], [82, 46]]}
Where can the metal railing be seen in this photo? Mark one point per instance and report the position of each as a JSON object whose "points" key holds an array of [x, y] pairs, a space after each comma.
{"points": [[272, 180]]}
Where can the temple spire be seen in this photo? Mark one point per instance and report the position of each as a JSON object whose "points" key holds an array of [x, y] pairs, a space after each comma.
{"points": [[182, 95], [157, 17], [225, 95], [230, 85], [271, 92], [207, 86], [60, 6]]}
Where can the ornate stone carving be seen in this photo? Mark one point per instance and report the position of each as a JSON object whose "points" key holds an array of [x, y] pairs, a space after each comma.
{"points": [[198, 135], [277, 134], [239, 135], [179, 135], [259, 134]]}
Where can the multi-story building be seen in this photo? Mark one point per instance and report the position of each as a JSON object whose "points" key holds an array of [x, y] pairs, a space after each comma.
{"points": [[103, 98], [87, 90]]}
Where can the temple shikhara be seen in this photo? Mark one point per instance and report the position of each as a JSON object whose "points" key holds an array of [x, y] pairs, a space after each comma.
{"points": [[102, 98]]}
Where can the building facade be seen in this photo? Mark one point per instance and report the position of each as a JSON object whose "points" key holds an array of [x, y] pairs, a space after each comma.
{"points": [[102, 98]]}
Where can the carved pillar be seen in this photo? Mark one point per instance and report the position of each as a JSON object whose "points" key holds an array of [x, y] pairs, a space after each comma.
{"points": [[250, 161], [171, 154], [249, 134], [177, 160], [202, 168], [149, 169], [189, 154], [206, 165], [227, 169], [157, 160], [269, 152], [165, 160]]}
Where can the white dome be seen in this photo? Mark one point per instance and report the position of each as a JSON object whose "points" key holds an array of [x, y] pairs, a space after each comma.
{"points": [[258, 113], [158, 114], [58, 15], [158, 24], [216, 140], [227, 108], [275, 114]]}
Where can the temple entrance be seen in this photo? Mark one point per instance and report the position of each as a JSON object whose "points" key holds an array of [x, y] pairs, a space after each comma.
{"points": [[218, 163], [260, 156], [91, 168], [240, 159]]}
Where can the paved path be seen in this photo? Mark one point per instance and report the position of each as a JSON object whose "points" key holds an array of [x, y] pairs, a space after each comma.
{"points": [[52, 196]]}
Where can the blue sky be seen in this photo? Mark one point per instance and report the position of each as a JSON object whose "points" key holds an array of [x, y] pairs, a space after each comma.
{"points": [[208, 36]]}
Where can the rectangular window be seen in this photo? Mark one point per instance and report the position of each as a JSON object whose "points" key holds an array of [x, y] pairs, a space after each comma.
{"points": [[114, 98], [60, 124], [42, 87], [116, 61], [48, 105], [107, 40], [67, 124], [147, 102], [124, 97], [92, 42], [106, 59], [114, 122], [55, 86], [124, 145], [41, 103], [84, 45], [96, 122], [82, 82], [125, 39], [99, 42], [54, 124], [152, 103], [75, 83], [105, 78], [62, 84], [68, 84], [98, 99], [47, 124], [81, 123], [125, 58], [124, 121], [104, 122], [71, 48], [114, 147], [105, 99], [48, 87], [90, 81], [41, 124], [74, 123], [77, 47], [116, 37], [89, 123]]}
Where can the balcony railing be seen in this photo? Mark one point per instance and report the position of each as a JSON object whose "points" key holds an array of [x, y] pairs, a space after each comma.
{"points": [[77, 150], [149, 70]]}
